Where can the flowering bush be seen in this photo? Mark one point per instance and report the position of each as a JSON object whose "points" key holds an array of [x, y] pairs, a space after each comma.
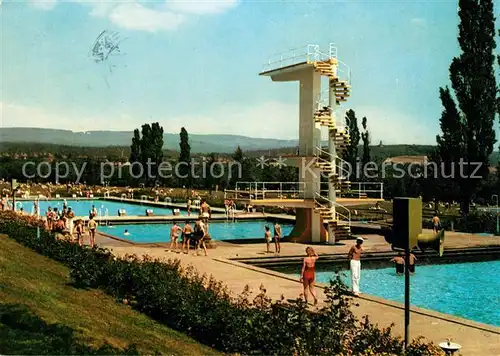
{"points": [[204, 309]]}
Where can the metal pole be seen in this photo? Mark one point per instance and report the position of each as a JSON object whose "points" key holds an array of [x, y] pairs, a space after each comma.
{"points": [[498, 220], [407, 297]]}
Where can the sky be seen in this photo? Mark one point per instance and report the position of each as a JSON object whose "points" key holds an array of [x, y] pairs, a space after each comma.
{"points": [[196, 63]]}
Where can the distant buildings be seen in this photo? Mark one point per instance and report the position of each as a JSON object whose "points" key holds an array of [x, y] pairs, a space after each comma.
{"points": [[401, 160]]}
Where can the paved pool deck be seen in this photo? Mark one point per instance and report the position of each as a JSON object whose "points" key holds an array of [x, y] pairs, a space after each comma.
{"points": [[475, 338]]}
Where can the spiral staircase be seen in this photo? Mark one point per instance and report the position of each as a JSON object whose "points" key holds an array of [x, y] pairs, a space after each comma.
{"points": [[331, 165]]}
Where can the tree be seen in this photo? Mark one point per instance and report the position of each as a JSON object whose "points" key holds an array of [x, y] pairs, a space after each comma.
{"points": [[147, 149], [365, 136], [185, 158], [450, 147], [240, 170], [135, 148], [156, 147], [473, 81], [351, 153], [211, 171], [238, 154]]}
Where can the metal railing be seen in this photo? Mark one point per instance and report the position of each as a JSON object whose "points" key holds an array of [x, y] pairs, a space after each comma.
{"points": [[307, 53], [340, 169], [338, 215], [368, 189], [297, 190], [267, 190]]}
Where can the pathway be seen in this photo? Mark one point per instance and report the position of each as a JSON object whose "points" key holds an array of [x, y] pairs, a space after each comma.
{"points": [[475, 338]]}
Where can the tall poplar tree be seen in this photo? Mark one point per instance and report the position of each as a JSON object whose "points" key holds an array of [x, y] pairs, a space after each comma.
{"points": [[185, 159], [473, 81], [351, 153], [365, 136]]}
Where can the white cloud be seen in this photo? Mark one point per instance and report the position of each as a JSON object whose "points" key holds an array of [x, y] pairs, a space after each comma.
{"points": [[13, 115], [418, 21], [395, 127], [133, 16], [201, 6], [44, 4]]}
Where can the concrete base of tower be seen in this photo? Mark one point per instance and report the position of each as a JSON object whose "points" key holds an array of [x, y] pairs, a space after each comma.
{"points": [[308, 227]]}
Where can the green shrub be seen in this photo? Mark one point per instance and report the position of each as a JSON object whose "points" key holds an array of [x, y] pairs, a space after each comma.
{"points": [[474, 222], [202, 307]]}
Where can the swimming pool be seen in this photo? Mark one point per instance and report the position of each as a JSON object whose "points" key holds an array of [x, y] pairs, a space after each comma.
{"points": [[145, 233], [82, 207], [468, 290]]}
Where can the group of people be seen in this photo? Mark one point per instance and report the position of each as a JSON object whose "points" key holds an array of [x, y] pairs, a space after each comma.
{"points": [[308, 272], [230, 206], [62, 221], [276, 236], [197, 235]]}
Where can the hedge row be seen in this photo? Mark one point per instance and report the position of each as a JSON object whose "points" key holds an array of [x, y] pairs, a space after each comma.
{"points": [[203, 308], [474, 222]]}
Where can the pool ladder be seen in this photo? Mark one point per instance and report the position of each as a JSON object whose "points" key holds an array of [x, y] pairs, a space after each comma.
{"points": [[104, 218], [230, 215]]}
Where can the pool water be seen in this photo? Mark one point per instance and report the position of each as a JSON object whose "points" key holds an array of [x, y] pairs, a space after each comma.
{"points": [[468, 290], [82, 207], [145, 233]]}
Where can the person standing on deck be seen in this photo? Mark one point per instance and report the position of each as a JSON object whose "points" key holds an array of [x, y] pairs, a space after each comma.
{"points": [[308, 274], [267, 236], [355, 264], [205, 212], [92, 225], [188, 205], [174, 235], [436, 223], [277, 236], [79, 232], [200, 235], [70, 215], [187, 232]]}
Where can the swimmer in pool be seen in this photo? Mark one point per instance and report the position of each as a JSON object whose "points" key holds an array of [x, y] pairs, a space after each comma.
{"points": [[411, 265], [400, 263], [126, 233]]}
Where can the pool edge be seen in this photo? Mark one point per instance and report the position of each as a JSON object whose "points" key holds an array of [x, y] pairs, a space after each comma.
{"points": [[374, 299]]}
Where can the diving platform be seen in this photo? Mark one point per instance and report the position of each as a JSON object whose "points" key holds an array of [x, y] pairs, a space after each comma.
{"points": [[303, 58], [321, 197]]}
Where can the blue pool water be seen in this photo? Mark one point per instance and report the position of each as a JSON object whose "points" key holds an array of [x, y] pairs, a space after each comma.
{"points": [[143, 233], [82, 207], [468, 290]]}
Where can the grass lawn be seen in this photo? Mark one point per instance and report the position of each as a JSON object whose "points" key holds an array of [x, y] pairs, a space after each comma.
{"points": [[41, 314]]}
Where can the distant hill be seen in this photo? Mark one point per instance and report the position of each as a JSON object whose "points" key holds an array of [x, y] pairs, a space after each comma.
{"points": [[378, 153], [199, 143], [119, 142]]}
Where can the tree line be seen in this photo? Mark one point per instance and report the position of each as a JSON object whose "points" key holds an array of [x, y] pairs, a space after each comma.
{"points": [[471, 103]]}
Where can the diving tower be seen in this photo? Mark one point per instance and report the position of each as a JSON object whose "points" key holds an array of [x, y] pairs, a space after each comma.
{"points": [[322, 172]]}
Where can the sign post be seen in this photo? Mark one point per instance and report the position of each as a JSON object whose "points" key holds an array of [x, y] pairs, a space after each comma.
{"points": [[407, 225], [495, 197], [406, 234]]}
